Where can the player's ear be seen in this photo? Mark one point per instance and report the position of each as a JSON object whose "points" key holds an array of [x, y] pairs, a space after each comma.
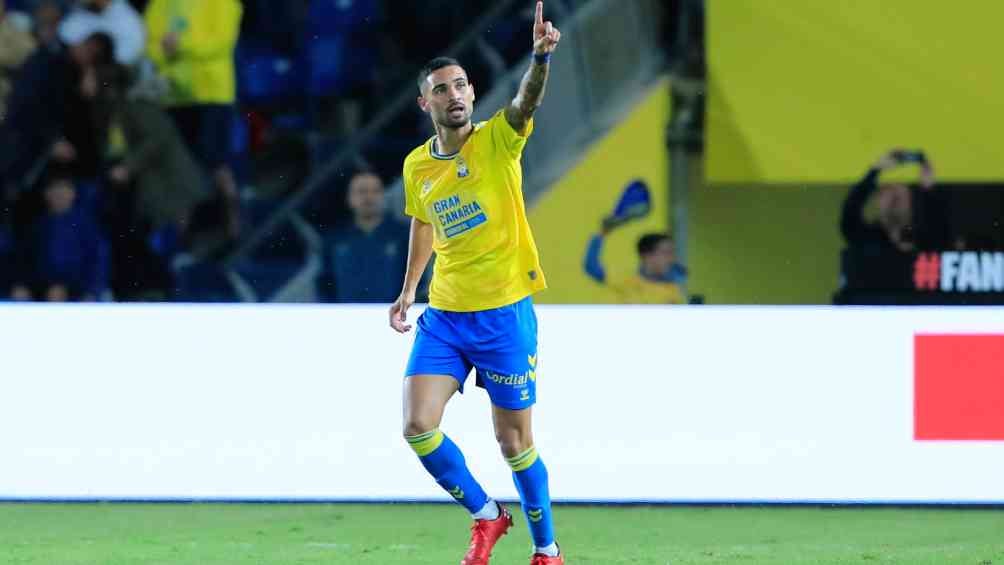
{"points": [[423, 104]]}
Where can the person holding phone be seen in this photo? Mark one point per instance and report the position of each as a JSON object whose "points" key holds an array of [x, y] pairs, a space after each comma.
{"points": [[880, 217]]}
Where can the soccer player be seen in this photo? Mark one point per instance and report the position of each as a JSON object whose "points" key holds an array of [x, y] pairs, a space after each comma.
{"points": [[464, 192]]}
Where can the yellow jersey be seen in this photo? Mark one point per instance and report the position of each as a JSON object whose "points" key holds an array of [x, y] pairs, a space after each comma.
{"points": [[485, 254], [203, 71], [638, 290]]}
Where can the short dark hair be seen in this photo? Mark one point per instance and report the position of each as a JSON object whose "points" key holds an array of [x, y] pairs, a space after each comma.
{"points": [[435, 65], [648, 242], [106, 48]]}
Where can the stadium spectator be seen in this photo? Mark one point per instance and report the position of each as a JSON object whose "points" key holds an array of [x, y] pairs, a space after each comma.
{"points": [[884, 225], [48, 116], [365, 258], [46, 17], [192, 45], [116, 18], [660, 279], [63, 256], [167, 180], [15, 46], [880, 219]]}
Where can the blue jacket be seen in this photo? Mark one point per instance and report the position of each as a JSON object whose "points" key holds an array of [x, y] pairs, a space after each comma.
{"points": [[365, 267], [67, 249]]}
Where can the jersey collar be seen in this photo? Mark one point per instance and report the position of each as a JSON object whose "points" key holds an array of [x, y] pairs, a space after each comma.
{"points": [[437, 155]]}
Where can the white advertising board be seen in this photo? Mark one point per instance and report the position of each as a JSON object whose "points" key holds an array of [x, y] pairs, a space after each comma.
{"points": [[687, 404]]}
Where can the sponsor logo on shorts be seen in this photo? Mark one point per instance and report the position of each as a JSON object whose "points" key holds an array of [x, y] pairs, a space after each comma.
{"points": [[512, 380]]}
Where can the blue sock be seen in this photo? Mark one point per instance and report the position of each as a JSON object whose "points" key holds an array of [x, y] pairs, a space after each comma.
{"points": [[530, 476], [444, 461]]}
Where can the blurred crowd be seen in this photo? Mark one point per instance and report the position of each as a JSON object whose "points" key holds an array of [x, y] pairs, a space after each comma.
{"points": [[115, 128], [132, 129]]}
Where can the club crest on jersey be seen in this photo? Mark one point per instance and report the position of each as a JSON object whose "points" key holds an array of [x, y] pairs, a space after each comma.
{"points": [[426, 186], [462, 171]]}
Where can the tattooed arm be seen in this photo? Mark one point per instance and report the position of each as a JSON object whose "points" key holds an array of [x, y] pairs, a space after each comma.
{"points": [[531, 88]]}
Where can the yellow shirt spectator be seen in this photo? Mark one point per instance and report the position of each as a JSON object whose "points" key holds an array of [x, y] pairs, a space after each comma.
{"points": [[15, 46], [192, 43], [639, 290], [659, 279]]}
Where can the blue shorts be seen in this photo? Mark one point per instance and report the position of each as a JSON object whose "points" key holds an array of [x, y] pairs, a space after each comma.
{"points": [[500, 343]]}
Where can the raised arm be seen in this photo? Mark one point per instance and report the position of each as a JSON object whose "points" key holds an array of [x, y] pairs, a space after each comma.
{"points": [[531, 88], [852, 223], [592, 263]]}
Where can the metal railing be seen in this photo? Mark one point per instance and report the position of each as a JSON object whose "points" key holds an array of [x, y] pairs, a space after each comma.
{"points": [[344, 158], [609, 51]]}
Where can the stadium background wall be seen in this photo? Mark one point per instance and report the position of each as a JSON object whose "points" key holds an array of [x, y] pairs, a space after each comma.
{"points": [[636, 403], [810, 92], [748, 245]]}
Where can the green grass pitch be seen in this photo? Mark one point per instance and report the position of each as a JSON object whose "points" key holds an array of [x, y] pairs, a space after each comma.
{"points": [[183, 534]]}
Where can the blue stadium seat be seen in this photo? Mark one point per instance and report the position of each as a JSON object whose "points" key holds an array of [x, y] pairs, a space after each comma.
{"points": [[339, 53], [89, 195], [267, 77], [336, 65], [165, 242], [339, 17], [239, 158], [328, 65]]}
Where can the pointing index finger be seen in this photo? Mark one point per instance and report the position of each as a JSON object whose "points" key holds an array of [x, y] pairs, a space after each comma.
{"points": [[539, 19]]}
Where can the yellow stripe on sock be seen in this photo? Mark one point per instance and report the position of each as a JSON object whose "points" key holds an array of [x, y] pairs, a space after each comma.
{"points": [[524, 460], [424, 444], [420, 437]]}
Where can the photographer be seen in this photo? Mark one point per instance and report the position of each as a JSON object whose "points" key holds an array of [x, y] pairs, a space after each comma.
{"points": [[878, 218], [885, 226]]}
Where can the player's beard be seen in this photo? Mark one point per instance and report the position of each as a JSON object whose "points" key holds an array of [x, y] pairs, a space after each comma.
{"points": [[448, 121]]}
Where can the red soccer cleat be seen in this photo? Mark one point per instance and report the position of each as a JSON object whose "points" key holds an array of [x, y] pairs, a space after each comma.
{"points": [[484, 534], [541, 559]]}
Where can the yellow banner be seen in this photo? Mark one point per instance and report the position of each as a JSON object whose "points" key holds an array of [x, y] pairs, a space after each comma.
{"points": [[814, 91], [569, 213]]}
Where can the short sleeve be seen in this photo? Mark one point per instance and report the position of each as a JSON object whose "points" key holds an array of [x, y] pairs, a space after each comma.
{"points": [[505, 137], [412, 205]]}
